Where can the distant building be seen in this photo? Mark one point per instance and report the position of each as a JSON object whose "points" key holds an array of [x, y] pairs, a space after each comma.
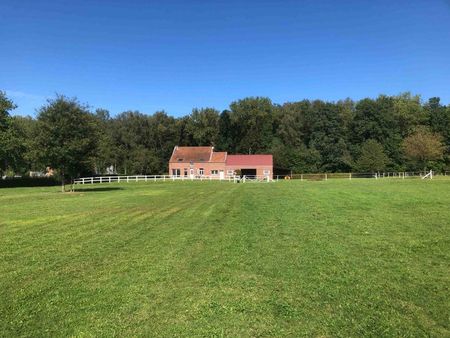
{"points": [[204, 161]]}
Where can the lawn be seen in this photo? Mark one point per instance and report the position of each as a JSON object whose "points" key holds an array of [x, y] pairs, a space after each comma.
{"points": [[336, 258]]}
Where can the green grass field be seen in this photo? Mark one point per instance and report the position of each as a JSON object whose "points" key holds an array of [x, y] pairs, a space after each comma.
{"points": [[326, 259]]}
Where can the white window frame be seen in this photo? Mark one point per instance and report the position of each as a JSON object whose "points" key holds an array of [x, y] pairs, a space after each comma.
{"points": [[201, 171], [214, 172], [230, 172], [266, 172]]}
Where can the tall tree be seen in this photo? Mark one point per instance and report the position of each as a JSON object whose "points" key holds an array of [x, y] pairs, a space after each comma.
{"points": [[252, 120], [203, 126], [439, 118], [372, 157], [105, 157], [423, 146], [408, 112], [6, 139], [67, 137], [20, 147], [375, 119], [328, 136]]}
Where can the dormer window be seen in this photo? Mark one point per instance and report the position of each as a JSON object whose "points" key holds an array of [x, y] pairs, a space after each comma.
{"points": [[180, 160]]}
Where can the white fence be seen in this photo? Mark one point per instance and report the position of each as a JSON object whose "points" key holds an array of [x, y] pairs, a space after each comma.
{"points": [[350, 176], [248, 178], [169, 178]]}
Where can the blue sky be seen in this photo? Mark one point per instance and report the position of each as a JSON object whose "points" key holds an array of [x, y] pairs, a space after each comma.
{"points": [[176, 55]]}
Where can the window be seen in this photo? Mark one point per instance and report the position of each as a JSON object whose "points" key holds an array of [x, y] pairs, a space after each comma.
{"points": [[214, 172], [201, 171], [266, 172], [185, 172], [180, 160], [230, 172], [175, 172]]}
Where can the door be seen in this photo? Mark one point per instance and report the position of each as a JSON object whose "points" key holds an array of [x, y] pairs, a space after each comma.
{"points": [[221, 174], [191, 173]]}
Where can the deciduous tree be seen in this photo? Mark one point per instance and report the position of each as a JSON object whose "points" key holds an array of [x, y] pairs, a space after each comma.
{"points": [[67, 137], [372, 157], [422, 146]]}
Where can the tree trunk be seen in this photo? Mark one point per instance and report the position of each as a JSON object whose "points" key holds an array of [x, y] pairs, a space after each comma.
{"points": [[62, 182]]}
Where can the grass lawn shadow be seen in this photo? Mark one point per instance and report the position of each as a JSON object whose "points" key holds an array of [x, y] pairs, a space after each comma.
{"points": [[98, 189]]}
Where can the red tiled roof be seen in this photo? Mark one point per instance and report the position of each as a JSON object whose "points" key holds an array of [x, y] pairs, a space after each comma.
{"points": [[188, 154], [219, 157], [248, 160]]}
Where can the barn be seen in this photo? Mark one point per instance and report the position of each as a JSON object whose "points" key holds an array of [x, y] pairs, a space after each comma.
{"points": [[204, 161]]}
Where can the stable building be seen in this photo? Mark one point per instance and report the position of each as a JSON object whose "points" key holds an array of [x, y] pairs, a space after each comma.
{"points": [[195, 162]]}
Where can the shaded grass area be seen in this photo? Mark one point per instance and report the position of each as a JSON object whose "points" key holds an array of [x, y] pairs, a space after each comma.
{"points": [[335, 258]]}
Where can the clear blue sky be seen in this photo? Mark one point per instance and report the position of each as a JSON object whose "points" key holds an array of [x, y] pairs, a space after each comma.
{"points": [[176, 55]]}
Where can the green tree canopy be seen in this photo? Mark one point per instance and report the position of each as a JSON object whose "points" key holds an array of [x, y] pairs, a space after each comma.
{"points": [[423, 146], [67, 137], [203, 126], [252, 120], [7, 139], [372, 157]]}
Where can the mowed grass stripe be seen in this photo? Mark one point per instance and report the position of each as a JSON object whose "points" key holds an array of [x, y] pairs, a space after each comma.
{"points": [[335, 258]]}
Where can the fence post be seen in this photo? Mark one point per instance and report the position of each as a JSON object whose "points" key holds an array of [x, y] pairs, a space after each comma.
{"points": [[301, 177], [82, 180], [109, 179], [128, 179], [92, 180], [164, 178], [326, 177], [350, 176]]}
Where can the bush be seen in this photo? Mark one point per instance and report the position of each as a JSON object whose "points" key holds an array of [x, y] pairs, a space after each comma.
{"points": [[13, 182]]}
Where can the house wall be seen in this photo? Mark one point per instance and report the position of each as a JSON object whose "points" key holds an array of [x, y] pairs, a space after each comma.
{"points": [[259, 169], [207, 167]]}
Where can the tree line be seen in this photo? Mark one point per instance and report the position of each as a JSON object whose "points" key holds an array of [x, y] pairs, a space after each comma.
{"points": [[387, 133]]}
